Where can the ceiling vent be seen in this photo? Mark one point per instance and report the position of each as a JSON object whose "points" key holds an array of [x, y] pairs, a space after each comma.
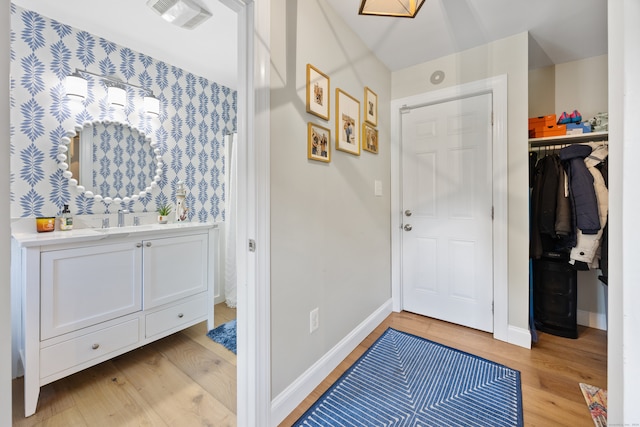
{"points": [[183, 13]]}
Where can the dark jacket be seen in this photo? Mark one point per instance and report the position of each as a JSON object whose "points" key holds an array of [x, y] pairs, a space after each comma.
{"points": [[563, 208], [583, 195], [604, 249], [548, 182]]}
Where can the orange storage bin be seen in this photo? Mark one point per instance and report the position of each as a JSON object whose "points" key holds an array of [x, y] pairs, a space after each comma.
{"points": [[543, 132], [542, 121]]}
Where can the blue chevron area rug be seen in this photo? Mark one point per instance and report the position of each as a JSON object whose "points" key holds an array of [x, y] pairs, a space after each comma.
{"points": [[405, 380]]}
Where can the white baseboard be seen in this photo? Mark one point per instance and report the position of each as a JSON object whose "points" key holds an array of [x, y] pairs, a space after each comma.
{"points": [[283, 404], [592, 320], [519, 336]]}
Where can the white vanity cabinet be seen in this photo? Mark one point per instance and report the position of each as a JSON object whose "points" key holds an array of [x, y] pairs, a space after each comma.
{"points": [[88, 299], [85, 286], [174, 269]]}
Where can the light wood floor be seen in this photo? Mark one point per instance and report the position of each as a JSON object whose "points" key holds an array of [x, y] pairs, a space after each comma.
{"points": [[188, 380], [185, 379], [550, 372]]}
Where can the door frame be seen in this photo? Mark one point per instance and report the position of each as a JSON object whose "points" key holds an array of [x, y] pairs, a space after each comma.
{"points": [[497, 86], [253, 189]]}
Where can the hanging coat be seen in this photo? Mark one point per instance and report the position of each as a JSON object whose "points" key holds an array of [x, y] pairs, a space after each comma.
{"points": [[604, 245], [588, 245], [543, 206], [564, 224], [582, 192]]}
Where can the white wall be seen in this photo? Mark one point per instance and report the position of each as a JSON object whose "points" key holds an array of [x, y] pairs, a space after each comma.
{"points": [[581, 85], [330, 236], [542, 91], [5, 231], [507, 56]]}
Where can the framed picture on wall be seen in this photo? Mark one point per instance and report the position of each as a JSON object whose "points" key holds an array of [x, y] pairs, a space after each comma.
{"points": [[318, 143], [370, 107], [347, 123], [317, 92], [369, 138]]}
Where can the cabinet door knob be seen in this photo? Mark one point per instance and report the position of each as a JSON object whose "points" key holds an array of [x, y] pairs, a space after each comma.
{"points": [[95, 346], [138, 245], [148, 244], [180, 315]]}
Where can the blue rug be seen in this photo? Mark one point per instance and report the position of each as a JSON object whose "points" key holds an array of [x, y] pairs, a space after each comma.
{"points": [[225, 334], [405, 380]]}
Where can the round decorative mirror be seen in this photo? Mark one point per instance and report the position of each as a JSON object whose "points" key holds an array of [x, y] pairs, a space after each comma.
{"points": [[110, 161]]}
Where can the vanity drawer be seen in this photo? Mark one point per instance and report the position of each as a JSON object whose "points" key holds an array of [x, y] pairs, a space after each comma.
{"points": [[174, 316], [76, 351]]}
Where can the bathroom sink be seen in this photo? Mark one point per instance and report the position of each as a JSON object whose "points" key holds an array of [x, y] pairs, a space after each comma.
{"points": [[127, 229], [145, 228]]}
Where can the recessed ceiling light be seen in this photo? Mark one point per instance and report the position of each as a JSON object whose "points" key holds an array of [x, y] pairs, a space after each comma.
{"points": [[183, 13]]}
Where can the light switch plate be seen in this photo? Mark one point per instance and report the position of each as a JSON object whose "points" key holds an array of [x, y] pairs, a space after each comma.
{"points": [[377, 188]]}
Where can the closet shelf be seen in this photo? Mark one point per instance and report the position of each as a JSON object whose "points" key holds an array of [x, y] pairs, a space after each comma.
{"points": [[568, 139]]}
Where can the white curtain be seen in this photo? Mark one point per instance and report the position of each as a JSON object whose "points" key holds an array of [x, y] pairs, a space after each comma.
{"points": [[230, 282]]}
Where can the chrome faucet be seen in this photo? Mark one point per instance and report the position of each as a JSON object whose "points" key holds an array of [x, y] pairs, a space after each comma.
{"points": [[121, 214]]}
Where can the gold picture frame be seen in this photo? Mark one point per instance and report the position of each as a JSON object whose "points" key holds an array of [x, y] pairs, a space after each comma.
{"points": [[318, 88], [370, 107], [318, 143], [347, 123], [369, 138]]}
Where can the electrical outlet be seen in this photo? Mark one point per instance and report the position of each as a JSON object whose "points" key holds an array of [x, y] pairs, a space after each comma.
{"points": [[314, 321]]}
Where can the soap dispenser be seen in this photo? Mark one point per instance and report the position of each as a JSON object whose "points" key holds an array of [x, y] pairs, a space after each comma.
{"points": [[66, 220]]}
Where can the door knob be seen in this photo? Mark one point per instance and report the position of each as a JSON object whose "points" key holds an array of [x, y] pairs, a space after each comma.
{"points": [[408, 227], [408, 212]]}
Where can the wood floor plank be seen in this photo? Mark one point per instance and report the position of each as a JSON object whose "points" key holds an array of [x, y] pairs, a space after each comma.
{"points": [[198, 333], [105, 397], [54, 399], [69, 418], [223, 314], [172, 393], [214, 374]]}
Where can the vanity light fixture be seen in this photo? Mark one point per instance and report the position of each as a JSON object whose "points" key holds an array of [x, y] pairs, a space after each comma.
{"points": [[394, 8], [151, 105], [116, 95], [76, 86]]}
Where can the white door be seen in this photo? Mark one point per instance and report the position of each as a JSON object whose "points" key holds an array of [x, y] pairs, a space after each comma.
{"points": [[447, 250]]}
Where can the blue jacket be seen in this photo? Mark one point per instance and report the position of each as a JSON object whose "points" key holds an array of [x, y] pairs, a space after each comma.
{"points": [[582, 192]]}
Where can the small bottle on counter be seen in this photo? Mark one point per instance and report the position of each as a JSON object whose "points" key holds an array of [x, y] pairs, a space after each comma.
{"points": [[66, 220]]}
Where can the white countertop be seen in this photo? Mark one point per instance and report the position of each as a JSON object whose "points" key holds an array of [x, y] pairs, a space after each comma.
{"points": [[24, 232]]}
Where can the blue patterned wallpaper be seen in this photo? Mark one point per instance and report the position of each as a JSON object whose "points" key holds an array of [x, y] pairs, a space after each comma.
{"points": [[194, 116]]}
